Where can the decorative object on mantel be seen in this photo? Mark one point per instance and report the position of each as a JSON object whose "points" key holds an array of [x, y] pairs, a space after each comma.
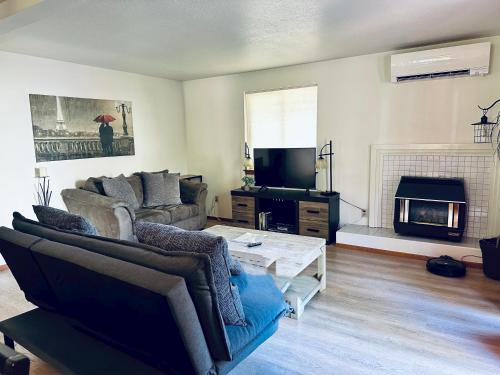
{"points": [[321, 163], [247, 163], [43, 192], [486, 131], [248, 181]]}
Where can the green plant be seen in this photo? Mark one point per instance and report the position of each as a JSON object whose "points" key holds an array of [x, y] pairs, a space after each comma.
{"points": [[248, 180]]}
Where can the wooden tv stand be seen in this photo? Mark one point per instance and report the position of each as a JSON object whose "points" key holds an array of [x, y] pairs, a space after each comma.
{"points": [[312, 214]]}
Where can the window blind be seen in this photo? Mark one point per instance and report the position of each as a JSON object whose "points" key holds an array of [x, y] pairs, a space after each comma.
{"points": [[282, 118]]}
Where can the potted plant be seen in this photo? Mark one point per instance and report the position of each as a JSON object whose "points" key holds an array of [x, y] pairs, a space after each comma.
{"points": [[247, 180], [490, 248]]}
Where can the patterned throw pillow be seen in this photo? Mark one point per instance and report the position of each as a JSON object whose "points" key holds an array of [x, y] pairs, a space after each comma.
{"points": [[174, 239], [64, 220], [119, 187], [235, 266], [161, 189]]}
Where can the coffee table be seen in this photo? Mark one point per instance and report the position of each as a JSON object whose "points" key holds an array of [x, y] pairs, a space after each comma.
{"points": [[288, 254]]}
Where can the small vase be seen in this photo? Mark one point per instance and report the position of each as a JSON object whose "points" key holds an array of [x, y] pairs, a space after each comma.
{"points": [[246, 187]]}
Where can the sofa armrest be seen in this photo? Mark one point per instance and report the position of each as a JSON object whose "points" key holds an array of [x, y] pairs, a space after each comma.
{"points": [[93, 199], [111, 216], [192, 192]]}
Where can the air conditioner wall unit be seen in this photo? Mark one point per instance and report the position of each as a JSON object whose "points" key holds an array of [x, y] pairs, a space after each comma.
{"points": [[466, 60]]}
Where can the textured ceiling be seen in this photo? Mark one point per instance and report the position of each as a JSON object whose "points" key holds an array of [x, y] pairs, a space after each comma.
{"points": [[186, 39]]}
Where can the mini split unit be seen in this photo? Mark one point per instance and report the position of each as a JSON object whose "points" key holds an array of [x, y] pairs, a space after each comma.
{"points": [[467, 60]]}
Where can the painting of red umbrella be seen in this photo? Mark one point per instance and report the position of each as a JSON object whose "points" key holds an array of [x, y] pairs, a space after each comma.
{"points": [[77, 128], [104, 119]]}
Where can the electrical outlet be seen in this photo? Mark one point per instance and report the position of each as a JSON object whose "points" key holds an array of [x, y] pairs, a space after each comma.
{"points": [[216, 199]]}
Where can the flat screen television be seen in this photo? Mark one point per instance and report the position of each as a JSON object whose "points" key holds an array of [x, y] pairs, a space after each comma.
{"points": [[285, 167]]}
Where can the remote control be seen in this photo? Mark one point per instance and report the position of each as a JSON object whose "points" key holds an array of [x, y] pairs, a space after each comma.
{"points": [[253, 244]]}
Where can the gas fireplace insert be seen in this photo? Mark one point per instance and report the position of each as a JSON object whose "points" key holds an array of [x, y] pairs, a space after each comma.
{"points": [[430, 207]]}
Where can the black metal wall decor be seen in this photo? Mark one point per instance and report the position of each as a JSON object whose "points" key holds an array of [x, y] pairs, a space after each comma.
{"points": [[486, 131]]}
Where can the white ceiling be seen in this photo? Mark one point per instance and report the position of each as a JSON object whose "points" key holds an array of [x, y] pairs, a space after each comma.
{"points": [[186, 39]]}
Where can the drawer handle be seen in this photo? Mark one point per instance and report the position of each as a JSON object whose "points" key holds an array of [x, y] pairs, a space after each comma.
{"points": [[242, 221], [312, 211], [242, 205], [313, 230]]}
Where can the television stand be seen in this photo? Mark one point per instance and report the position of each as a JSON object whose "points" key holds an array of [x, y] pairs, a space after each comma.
{"points": [[301, 212]]}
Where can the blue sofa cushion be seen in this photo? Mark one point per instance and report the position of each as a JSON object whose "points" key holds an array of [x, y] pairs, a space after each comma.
{"points": [[263, 305]]}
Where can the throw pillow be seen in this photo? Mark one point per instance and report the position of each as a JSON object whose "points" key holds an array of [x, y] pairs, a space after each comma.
{"points": [[189, 191], [140, 173], [161, 189], [235, 266], [94, 184], [119, 187], [174, 239], [64, 220]]}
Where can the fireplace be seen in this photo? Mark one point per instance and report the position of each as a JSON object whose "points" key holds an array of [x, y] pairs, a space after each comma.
{"points": [[430, 207]]}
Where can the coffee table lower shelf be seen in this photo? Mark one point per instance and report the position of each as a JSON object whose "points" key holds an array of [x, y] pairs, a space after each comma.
{"points": [[298, 292]]}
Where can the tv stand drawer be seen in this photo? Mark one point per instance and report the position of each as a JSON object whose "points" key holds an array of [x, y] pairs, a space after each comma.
{"points": [[244, 220], [243, 204], [243, 211], [313, 211], [314, 229]]}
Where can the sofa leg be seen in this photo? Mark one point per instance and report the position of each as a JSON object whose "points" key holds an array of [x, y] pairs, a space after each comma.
{"points": [[8, 341]]}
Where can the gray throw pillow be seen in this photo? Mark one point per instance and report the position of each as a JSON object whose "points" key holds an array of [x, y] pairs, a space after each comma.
{"points": [[119, 187], [190, 191], [94, 184], [174, 239], [161, 189], [235, 266], [64, 220]]}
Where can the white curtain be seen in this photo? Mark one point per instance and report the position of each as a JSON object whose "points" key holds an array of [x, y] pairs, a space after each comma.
{"points": [[282, 118]]}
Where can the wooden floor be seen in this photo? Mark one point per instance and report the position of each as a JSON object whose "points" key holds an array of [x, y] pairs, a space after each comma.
{"points": [[378, 315]]}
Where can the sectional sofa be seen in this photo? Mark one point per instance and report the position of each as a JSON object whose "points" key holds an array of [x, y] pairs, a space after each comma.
{"points": [[115, 217], [100, 298]]}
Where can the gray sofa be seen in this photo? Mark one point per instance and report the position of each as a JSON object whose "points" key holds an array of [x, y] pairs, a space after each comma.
{"points": [[120, 299], [114, 218]]}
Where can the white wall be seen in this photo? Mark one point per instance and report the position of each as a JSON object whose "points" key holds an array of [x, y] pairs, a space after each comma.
{"points": [[357, 107], [158, 125]]}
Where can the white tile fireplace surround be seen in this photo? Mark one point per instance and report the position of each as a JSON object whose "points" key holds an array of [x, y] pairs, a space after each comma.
{"points": [[475, 170], [474, 163]]}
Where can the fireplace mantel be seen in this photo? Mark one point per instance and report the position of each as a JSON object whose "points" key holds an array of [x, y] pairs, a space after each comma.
{"points": [[378, 152]]}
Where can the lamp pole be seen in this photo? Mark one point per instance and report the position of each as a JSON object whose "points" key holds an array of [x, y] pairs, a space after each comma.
{"points": [[123, 109], [322, 153]]}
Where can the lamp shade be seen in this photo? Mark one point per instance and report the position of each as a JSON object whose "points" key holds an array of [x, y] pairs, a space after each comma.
{"points": [[247, 163], [321, 163], [41, 172]]}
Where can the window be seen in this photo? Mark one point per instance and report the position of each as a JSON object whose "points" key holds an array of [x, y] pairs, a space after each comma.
{"points": [[281, 118]]}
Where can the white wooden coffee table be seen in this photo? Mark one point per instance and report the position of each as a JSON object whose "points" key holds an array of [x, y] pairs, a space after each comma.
{"points": [[289, 254]]}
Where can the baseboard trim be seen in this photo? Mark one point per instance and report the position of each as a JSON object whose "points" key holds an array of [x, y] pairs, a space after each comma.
{"points": [[397, 254], [4, 267]]}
